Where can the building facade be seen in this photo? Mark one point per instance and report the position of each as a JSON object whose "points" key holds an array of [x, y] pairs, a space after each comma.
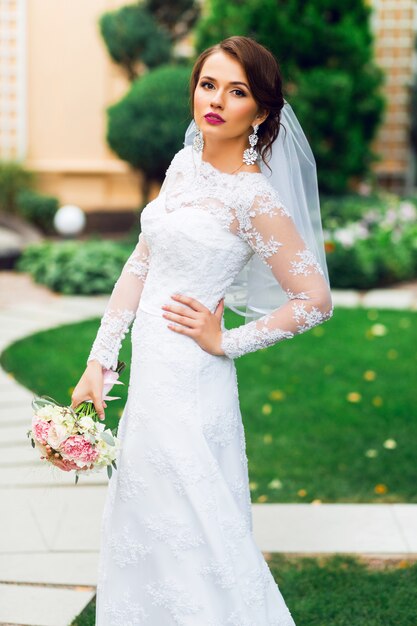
{"points": [[56, 80], [394, 24]]}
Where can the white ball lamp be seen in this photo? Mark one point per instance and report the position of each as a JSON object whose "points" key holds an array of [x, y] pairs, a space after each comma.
{"points": [[69, 220]]}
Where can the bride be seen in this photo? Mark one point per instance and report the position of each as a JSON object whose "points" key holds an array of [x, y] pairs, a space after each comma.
{"points": [[176, 538]]}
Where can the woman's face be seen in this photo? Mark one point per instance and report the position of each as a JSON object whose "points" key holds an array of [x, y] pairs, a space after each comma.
{"points": [[216, 94]]}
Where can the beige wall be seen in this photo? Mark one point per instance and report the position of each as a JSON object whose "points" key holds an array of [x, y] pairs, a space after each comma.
{"points": [[71, 80], [56, 80]]}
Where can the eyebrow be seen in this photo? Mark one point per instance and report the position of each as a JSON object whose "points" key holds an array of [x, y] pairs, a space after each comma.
{"points": [[232, 82]]}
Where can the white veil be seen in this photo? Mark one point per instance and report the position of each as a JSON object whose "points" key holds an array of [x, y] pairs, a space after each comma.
{"points": [[255, 291]]}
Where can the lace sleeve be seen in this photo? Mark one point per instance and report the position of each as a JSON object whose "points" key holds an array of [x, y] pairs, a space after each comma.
{"points": [[122, 307], [270, 231]]}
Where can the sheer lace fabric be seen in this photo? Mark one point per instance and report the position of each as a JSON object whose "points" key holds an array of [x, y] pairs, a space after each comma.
{"points": [[121, 309], [177, 547]]}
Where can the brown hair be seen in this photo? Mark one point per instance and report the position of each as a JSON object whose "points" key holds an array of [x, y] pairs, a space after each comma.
{"points": [[265, 82]]}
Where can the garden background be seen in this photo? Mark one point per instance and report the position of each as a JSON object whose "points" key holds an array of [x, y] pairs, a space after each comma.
{"points": [[85, 141]]}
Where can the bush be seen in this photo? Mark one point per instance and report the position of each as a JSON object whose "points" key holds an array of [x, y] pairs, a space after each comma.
{"points": [[147, 126], [326, 52], [375, 245], [13, 178], [71, 267], [37, 208]]}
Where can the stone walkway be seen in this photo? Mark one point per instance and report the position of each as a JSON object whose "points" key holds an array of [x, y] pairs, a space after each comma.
{"points": [[49, 527]]}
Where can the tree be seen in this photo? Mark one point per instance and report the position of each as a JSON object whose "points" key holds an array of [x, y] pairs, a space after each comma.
{"points": [[132, 35], [325, 49], [147, 126], [176, 17]]}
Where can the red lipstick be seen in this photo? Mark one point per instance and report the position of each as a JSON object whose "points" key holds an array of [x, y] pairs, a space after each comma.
{"points": [[214, 118]]}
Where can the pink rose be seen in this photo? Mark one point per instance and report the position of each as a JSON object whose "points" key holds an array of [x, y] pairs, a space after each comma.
{"points": [[78, 448], [40, 429], [57, 434]]}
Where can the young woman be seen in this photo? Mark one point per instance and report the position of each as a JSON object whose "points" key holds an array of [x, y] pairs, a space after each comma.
{"points": [[177, 547]]}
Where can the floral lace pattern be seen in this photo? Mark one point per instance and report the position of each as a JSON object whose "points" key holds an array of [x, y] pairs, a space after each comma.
{"points": [[174, 598], [121, 308], [125, 611], [113, 328], [126, 549], [181, 468], [178, 535], [177, 539]]}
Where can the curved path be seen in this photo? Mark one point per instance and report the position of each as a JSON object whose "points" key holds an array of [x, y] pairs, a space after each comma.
{"points": [[49, 527]]}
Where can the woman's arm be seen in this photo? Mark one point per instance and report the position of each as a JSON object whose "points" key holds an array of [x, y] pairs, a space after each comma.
{"points": [[270, 231], [121, 308]]}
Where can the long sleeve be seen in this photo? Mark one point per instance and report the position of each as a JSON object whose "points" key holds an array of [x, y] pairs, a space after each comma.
{"points": [[271, 233], [121, 308]]}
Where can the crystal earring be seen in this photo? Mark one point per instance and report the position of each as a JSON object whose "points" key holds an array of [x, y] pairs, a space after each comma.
{"points": [[250, 154], [198, 141]]}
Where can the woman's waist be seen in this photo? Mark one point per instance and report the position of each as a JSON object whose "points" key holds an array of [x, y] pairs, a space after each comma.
{"points": [[152, 303]]}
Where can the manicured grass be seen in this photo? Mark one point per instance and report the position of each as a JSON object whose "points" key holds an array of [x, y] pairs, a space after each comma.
{"points": [[339, 590], [317, 409]]}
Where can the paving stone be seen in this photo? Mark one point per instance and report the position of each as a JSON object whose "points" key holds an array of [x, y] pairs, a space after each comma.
{"points": [[59, 568], [345, 298], [349, 528], [388, 299], [18, 455], [406, 517], [46, 475], [41, 606], [57, 519], [15, 395], [13, 435]]}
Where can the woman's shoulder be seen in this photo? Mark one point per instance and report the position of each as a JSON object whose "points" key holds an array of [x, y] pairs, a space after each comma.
{"points": [[180, 158], [262, 196]]}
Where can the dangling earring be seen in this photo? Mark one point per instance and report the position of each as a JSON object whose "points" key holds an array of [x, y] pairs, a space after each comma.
{"points": [[250, 154], [198, 142]]}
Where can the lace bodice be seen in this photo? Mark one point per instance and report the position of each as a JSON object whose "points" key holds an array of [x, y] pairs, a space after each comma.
{"points": [[195, 237]]}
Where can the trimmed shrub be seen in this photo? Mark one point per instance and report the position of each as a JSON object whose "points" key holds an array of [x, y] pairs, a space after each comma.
{"points": [[39, 209]]}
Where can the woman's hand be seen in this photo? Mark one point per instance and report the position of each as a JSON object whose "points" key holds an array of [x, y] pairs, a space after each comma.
{"points": [[90, 387], [197, 321]]}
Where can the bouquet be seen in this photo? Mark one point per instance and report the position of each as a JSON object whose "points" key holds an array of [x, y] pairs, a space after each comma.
{"points": [[76, 436]]}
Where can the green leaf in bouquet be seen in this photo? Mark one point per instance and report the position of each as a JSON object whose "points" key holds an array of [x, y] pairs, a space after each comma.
{"points": [[114, 464], [107, 437], [120, 367], [32, 443], [39, 402], [76, 478], [109, 471]]}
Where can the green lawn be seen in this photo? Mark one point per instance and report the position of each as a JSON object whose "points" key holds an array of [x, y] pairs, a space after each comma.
{"points": [[337, 590], [329, 415]]}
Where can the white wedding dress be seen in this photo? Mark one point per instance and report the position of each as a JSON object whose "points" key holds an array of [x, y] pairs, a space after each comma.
{"points": [[176, 540]]}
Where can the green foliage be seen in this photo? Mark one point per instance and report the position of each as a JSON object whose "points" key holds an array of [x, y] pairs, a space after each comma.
{"points": [[75, 267], [178, 17], [131, 34], [325, 49], [370, 242], [147, 126], [302, 431], [39, 209], [336, 590], [14, 177]]}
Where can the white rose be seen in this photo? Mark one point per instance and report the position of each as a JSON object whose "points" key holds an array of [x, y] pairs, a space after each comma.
{"points": [[86, 422], [57, 434]]}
